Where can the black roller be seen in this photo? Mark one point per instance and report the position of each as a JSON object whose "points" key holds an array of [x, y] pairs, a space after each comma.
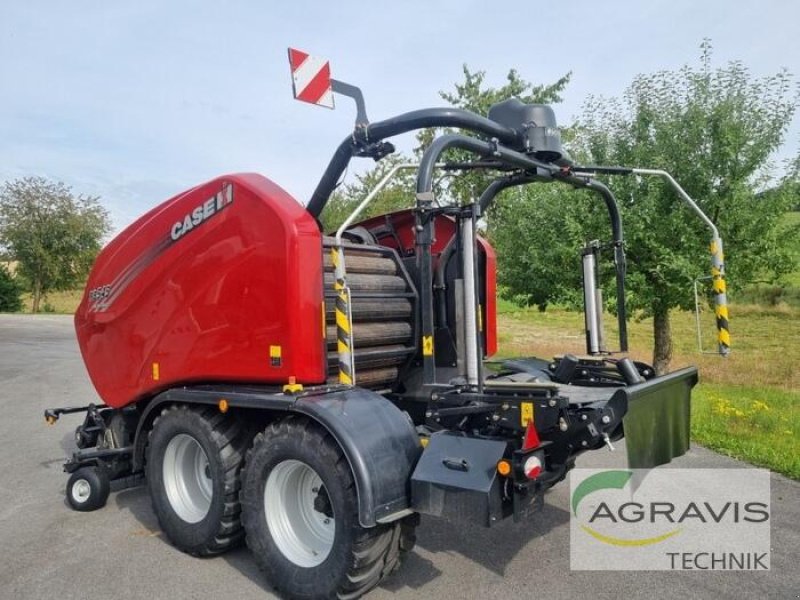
{"points": [[382, 311], [374, 334]]}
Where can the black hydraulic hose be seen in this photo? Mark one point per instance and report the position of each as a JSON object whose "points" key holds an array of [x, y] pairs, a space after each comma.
{"points": [[330, 178], [441, 302], [441, 117], [608, 198], [418, 119], [613, 209], [620, 265]]}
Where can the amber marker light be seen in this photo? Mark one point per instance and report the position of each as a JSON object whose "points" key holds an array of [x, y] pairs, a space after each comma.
{"points": [[504, 467]]}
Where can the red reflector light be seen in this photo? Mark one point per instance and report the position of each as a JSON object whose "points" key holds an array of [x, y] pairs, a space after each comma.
{"points": [[531, 437], [532, 467]]}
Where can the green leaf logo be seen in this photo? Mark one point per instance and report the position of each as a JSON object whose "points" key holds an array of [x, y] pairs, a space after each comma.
{"points": [[599, 481]]}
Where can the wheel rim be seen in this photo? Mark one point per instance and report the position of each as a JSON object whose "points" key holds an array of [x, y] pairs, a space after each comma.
{"points": [[303, 534], [187, 478], [81, 490]]}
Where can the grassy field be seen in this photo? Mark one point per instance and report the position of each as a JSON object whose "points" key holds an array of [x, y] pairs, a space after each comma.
{"points": [[55, 302], [747, 405]]}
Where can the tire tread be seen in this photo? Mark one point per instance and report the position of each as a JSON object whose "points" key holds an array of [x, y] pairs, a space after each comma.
{"points": [[375, 552], [232, 439]]}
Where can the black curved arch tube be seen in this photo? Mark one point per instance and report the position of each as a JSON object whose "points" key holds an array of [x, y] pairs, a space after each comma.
{"points": [[498, 185], [505, 156], [418, 119]]}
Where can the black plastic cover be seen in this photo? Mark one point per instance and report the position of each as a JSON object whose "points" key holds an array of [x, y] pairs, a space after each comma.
{"points": [[536, 124], [456, 478]]}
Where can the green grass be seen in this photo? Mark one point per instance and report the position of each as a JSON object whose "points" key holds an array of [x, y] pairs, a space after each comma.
{"points": [[758, 424], [64, 303], [746, 406]]}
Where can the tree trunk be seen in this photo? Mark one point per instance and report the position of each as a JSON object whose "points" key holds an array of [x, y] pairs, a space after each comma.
{"points": [[37, 296], [662, 341]]}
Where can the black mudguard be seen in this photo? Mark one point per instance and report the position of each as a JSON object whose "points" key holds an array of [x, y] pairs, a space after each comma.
{"points": [[377, 438], [380, 443]]}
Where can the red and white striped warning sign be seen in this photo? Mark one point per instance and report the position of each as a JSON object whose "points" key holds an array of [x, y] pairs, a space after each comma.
{"points": [[311, 78]]}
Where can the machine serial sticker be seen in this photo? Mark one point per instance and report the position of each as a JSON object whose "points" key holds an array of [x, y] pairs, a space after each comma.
{"points": [[526, 413], [427, 345]]}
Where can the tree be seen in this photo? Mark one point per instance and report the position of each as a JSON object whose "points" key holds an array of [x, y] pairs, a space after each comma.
{"points": [[52, 233], [10, 291], [472, 95], [396, 195], [715, 130]]}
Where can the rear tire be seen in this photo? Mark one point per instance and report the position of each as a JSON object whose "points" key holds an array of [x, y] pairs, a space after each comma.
{"points": [[295, 479], [88, 489], [194, 458]]}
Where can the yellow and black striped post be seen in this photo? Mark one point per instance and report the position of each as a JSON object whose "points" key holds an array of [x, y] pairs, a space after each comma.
{"points": [[720, 296], [344, 319]]}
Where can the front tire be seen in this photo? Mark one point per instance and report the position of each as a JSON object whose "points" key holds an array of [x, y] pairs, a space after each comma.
{"points": [[300, 513], [194, 458], [88, 489]]}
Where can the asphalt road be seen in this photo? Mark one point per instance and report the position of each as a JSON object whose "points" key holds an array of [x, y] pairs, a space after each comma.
{"points": [[49, 551]]}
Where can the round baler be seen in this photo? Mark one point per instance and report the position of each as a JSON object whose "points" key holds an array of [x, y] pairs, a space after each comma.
{"points": [[314, 394]]}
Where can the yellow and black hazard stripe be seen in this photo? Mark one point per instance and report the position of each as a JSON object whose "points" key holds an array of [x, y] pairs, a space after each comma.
{"points": [[344, 338], [720, 296], [344, 329]]}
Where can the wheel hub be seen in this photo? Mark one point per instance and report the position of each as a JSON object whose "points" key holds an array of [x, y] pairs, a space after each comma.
{"points": [[322, 503], [187, 478], [299, 513], [81, 490]]}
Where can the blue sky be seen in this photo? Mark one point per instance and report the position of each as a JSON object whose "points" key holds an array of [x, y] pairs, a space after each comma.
{"points": [[135, 101]]}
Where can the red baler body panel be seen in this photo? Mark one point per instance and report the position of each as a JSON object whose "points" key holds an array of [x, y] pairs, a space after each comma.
{"points": [[403, 239], [220, 283]]}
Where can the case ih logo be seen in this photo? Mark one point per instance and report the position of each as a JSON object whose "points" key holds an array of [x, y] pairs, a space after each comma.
{"points": [[311, 78], [200, 214], [103, 296]]}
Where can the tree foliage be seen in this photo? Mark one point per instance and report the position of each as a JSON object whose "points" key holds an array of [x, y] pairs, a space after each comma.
{"points": [[10, 291], [396, 195], [715, 130], [475, 95], [52, 233]]}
